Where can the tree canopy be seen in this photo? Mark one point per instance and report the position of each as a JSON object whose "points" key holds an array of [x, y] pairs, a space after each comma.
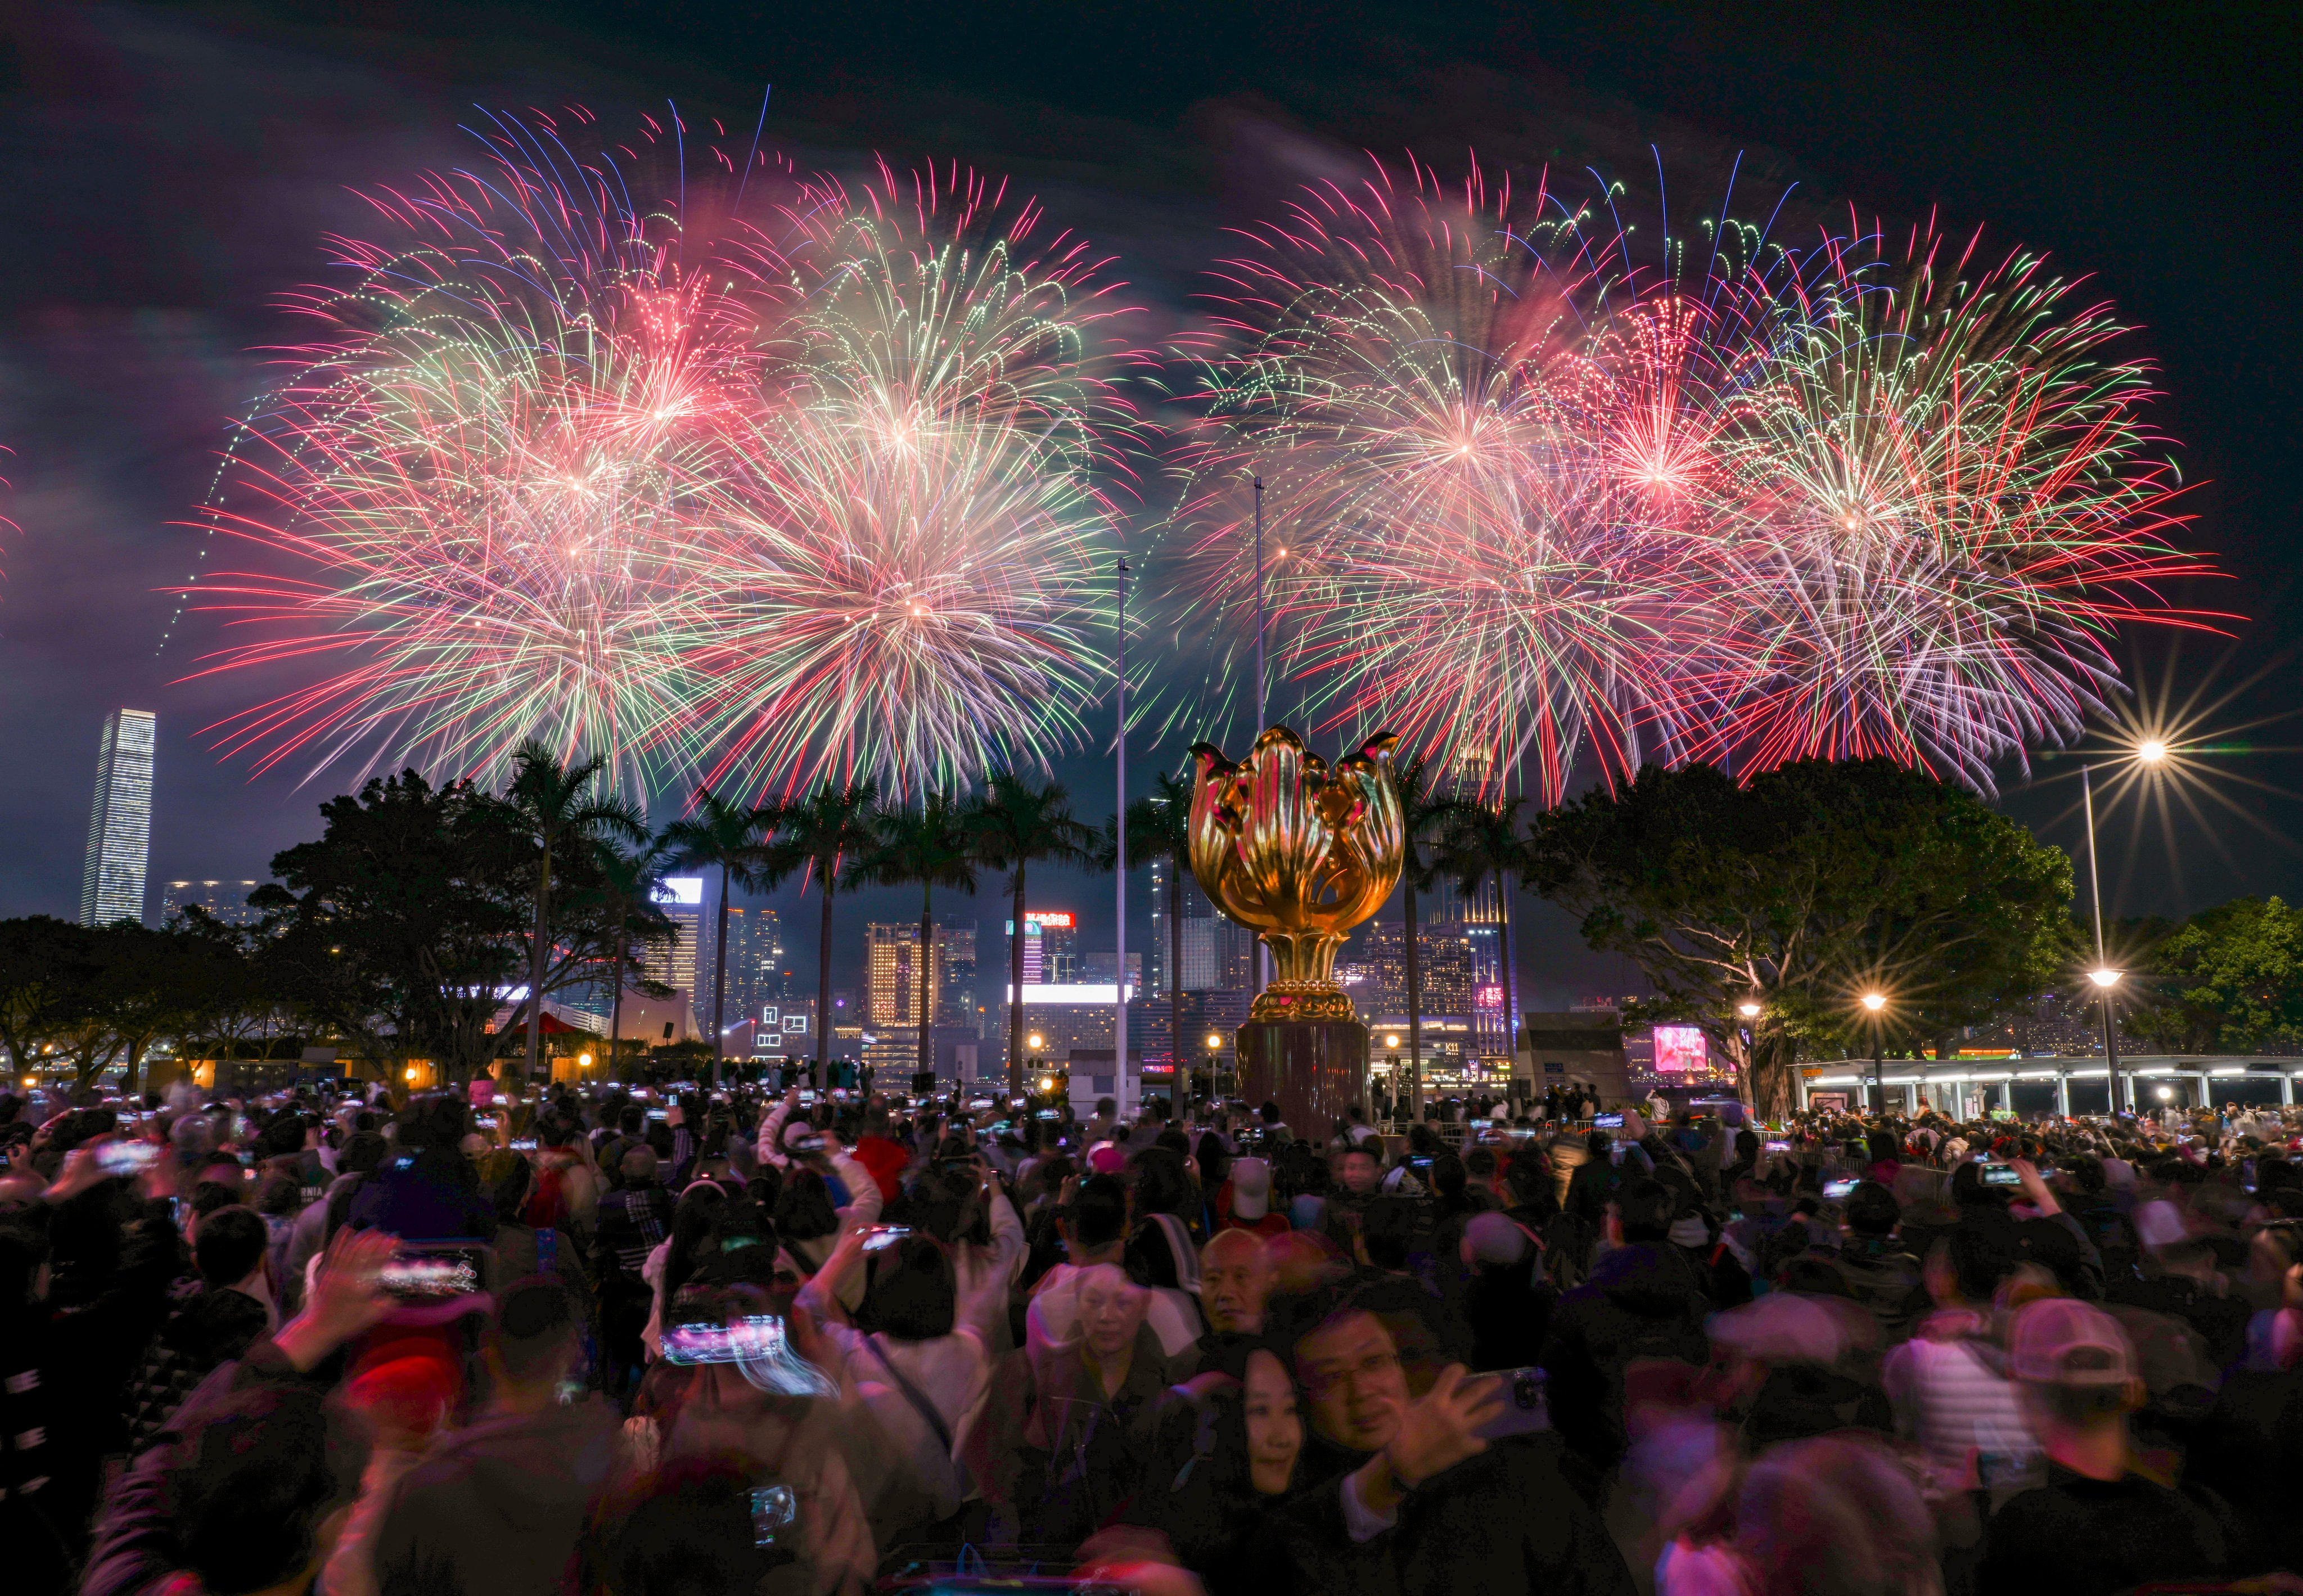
{"points": [[1802, 890]]}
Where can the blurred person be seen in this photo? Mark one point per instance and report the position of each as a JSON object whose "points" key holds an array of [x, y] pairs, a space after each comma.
{"points": [[214, 1318], [2250, 1448], [404, 1402], [1645, 1301], [1077, 1410], [635, 1218], [1946, 1382], [1832, 1516], [1507, 1303], [428, 1190], [362, 1153], [1877, 1268], [497, 1507], [1243, 1201], [777, 1434], [2098, 1525], [224, 1496], [921, 1368]]}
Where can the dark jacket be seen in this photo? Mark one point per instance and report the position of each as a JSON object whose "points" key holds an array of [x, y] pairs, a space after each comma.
{"points": [[206, 1325], [430, 1195], [2082, 1537], [136, 1547], [2251, 1451], [496, 1510], [1501, 1522], [1642, 1301]]}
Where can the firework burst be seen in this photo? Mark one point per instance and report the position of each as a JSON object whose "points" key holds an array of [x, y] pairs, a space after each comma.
{"points": [[1477, 514], [1934, 513], [901, 589], [492, 466]]}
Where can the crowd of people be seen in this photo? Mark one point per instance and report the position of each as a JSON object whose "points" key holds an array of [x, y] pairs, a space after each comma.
{"points": [[679, 1341]]}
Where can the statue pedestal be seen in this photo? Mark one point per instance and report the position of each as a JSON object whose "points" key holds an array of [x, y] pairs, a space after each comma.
{"points": [[1314, 1070]]}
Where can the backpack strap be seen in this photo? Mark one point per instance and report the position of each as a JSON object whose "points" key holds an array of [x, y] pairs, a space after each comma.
{"points": [[914, 1395]]}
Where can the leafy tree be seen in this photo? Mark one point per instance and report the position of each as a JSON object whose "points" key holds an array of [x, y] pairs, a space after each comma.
{"points": [[44, 963], [1424, 815], [234, 1003], [1482, 841], [1799, 891], [623, 895], [1016, 825], [402, 925], [927, 847], [2230, 979], [827, 837], [719, 835], [558, 812]]}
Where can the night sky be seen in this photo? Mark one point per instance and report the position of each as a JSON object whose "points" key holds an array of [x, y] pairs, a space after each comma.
{"points": [[169, 172]]}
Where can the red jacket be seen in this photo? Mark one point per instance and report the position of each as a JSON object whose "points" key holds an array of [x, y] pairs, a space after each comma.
{"points": [[886, 1160]]}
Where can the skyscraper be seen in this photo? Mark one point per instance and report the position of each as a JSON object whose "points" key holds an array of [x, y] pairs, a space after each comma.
{"points": [[120, 826], [755, 961], [895, 970], [226, 901], [681, 899]]}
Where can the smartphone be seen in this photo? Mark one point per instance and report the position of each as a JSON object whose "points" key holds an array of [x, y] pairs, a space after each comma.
{"points": [[484, 1121], [430, 1276], [775, 1508], [881, 1238], [1607, 1122], [1777, 1147], [126, 1158], [1525, 1411], [1050, 1114], [658, 1114], [977, 1104], [1838, 1191], [523, 1144], [1995, 1173]]}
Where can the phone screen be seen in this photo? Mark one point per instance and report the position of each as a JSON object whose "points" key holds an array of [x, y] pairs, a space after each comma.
{"points": [[1607, 1122], [1525, 1411], [126, 1158], [429, 1275], [1838, 1191], [1999, 1174]]}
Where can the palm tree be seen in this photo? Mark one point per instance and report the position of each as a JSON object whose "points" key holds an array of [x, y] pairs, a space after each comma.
{"points": [[1015, 824], [927, 847], [1161, 825], [556, 806], [629, 885], [1422, 814], [829, 835], [1479, 841], [717, 834]]}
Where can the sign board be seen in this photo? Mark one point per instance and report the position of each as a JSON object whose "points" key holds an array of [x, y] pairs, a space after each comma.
{"points": [[1679, 1050]]}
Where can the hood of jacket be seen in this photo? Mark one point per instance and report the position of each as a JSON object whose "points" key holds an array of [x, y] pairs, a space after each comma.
{"points": [[528, 1472], [1652, 1280], [208, 1324]]}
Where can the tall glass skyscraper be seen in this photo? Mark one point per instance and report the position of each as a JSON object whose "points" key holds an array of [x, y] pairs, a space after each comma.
{"points": [[120, 827]]}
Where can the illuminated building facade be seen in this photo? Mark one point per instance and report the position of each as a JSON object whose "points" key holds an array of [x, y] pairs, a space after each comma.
{"points": [[120, 825]]}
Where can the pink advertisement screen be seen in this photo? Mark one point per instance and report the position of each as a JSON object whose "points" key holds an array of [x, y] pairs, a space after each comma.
{"points": [[1678, 1049]]}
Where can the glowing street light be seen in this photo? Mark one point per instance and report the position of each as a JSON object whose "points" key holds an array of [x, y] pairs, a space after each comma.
{"points": [[1748, 1010], [2150, 751], [1874, 1002]]}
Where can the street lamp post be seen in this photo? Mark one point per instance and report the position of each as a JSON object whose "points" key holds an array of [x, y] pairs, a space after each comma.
{"points": [[2149, 752], [1119, 828], [1874, 1002]]}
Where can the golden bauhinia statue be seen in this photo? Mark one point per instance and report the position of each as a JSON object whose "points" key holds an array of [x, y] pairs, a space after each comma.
{"points": [[1299, 852]]}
